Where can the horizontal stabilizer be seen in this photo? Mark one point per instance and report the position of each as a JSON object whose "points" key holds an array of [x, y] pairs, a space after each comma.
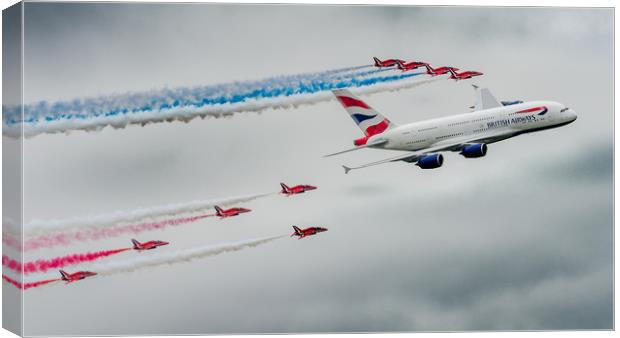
{"points": [[358, 148]]}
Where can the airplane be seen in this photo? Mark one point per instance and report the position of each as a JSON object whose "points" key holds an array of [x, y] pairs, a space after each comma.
{"points": [[387, 63], [409, 66], [230, 212], [469, 133], [298, 189], [150, 245], [438, 71], [301, 233], [76, 276], [464, 75]]}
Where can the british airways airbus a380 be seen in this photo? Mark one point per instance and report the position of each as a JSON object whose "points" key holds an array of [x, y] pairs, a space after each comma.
{"points": [[491, 121]]}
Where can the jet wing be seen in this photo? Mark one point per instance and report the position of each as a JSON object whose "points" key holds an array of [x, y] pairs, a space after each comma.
{"points": [[449, 145], [484, 99]]}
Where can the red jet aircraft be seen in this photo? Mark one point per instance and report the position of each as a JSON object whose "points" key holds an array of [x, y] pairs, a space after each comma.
{"points": [[150, 245], [298, 189], [438, 71], [387, 63], [230, 212], [464, 75], [411, 65], [301, 233], [76, 276]]}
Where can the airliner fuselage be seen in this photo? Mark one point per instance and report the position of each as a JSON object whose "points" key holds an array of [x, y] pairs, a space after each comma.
{"points": [[499, 123], [423, 142]]}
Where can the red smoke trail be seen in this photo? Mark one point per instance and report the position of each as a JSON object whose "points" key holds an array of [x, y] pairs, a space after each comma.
{"points": [[11, 241], [49, 241], [27, 286], [42, 265]]}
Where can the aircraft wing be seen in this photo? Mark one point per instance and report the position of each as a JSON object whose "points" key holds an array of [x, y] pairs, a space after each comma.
{"points": [[484, 99], [449, 145]]}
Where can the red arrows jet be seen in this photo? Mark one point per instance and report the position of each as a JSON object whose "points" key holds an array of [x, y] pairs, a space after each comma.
{"points": [[464, 75], [409, 66], [301, 233], [438, 71], [387, 63], [230, 212], [76, 276], [298, 189], [150, 245]]}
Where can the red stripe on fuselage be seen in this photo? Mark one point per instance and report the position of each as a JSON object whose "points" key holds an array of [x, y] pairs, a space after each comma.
{"points": [[530, 110], [351, 102]]}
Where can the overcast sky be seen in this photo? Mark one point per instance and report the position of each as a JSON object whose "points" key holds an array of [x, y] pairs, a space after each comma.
{"points": [[518, 240]]}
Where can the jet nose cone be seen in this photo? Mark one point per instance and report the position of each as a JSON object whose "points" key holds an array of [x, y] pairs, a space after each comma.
{"points": [[572, 115]]}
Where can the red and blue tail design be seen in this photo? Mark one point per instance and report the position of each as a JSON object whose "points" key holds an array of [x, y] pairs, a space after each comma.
{"points": [[367, 119]]}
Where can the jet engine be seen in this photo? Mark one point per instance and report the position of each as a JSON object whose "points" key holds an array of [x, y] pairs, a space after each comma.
{"points": [[430, 161], [474, 150]]}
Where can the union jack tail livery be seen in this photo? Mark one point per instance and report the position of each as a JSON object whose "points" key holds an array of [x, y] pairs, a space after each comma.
{"points": [[367, 119]]}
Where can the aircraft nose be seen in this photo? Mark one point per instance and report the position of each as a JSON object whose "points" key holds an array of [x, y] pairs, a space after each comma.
{"points": [[572, 115]]}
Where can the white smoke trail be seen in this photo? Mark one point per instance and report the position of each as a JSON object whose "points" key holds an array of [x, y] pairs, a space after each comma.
{"points": [[169, 258], [188, 113], [39, 227]]}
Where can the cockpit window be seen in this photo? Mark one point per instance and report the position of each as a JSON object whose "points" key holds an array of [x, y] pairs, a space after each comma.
{"points": [[563, 110]]}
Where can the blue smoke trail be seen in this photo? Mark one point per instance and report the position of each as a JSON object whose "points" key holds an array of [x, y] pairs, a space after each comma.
{"points": [[162, 99], [154, 106]]}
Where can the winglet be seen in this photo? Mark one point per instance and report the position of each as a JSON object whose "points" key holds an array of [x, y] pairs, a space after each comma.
{"points": [[346, 169]]}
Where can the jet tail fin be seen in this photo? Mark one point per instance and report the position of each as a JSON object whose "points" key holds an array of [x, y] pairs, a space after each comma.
{"points": [[370, 121], [218, 210], [452, 73], [285, 188], [136, 244], [64, 274], [377, 61], [297, 231], [429, 69]]}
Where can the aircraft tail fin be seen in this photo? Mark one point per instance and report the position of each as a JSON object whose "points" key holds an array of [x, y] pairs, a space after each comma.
{"points": [[452, 73], [429, 69], [367, 119], [285, 188], [297, 231], [136, 244], [64, 274], [377, 61], [218, 210]]}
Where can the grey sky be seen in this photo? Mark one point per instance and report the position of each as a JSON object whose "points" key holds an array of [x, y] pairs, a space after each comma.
{"points": [[520, 239]]}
